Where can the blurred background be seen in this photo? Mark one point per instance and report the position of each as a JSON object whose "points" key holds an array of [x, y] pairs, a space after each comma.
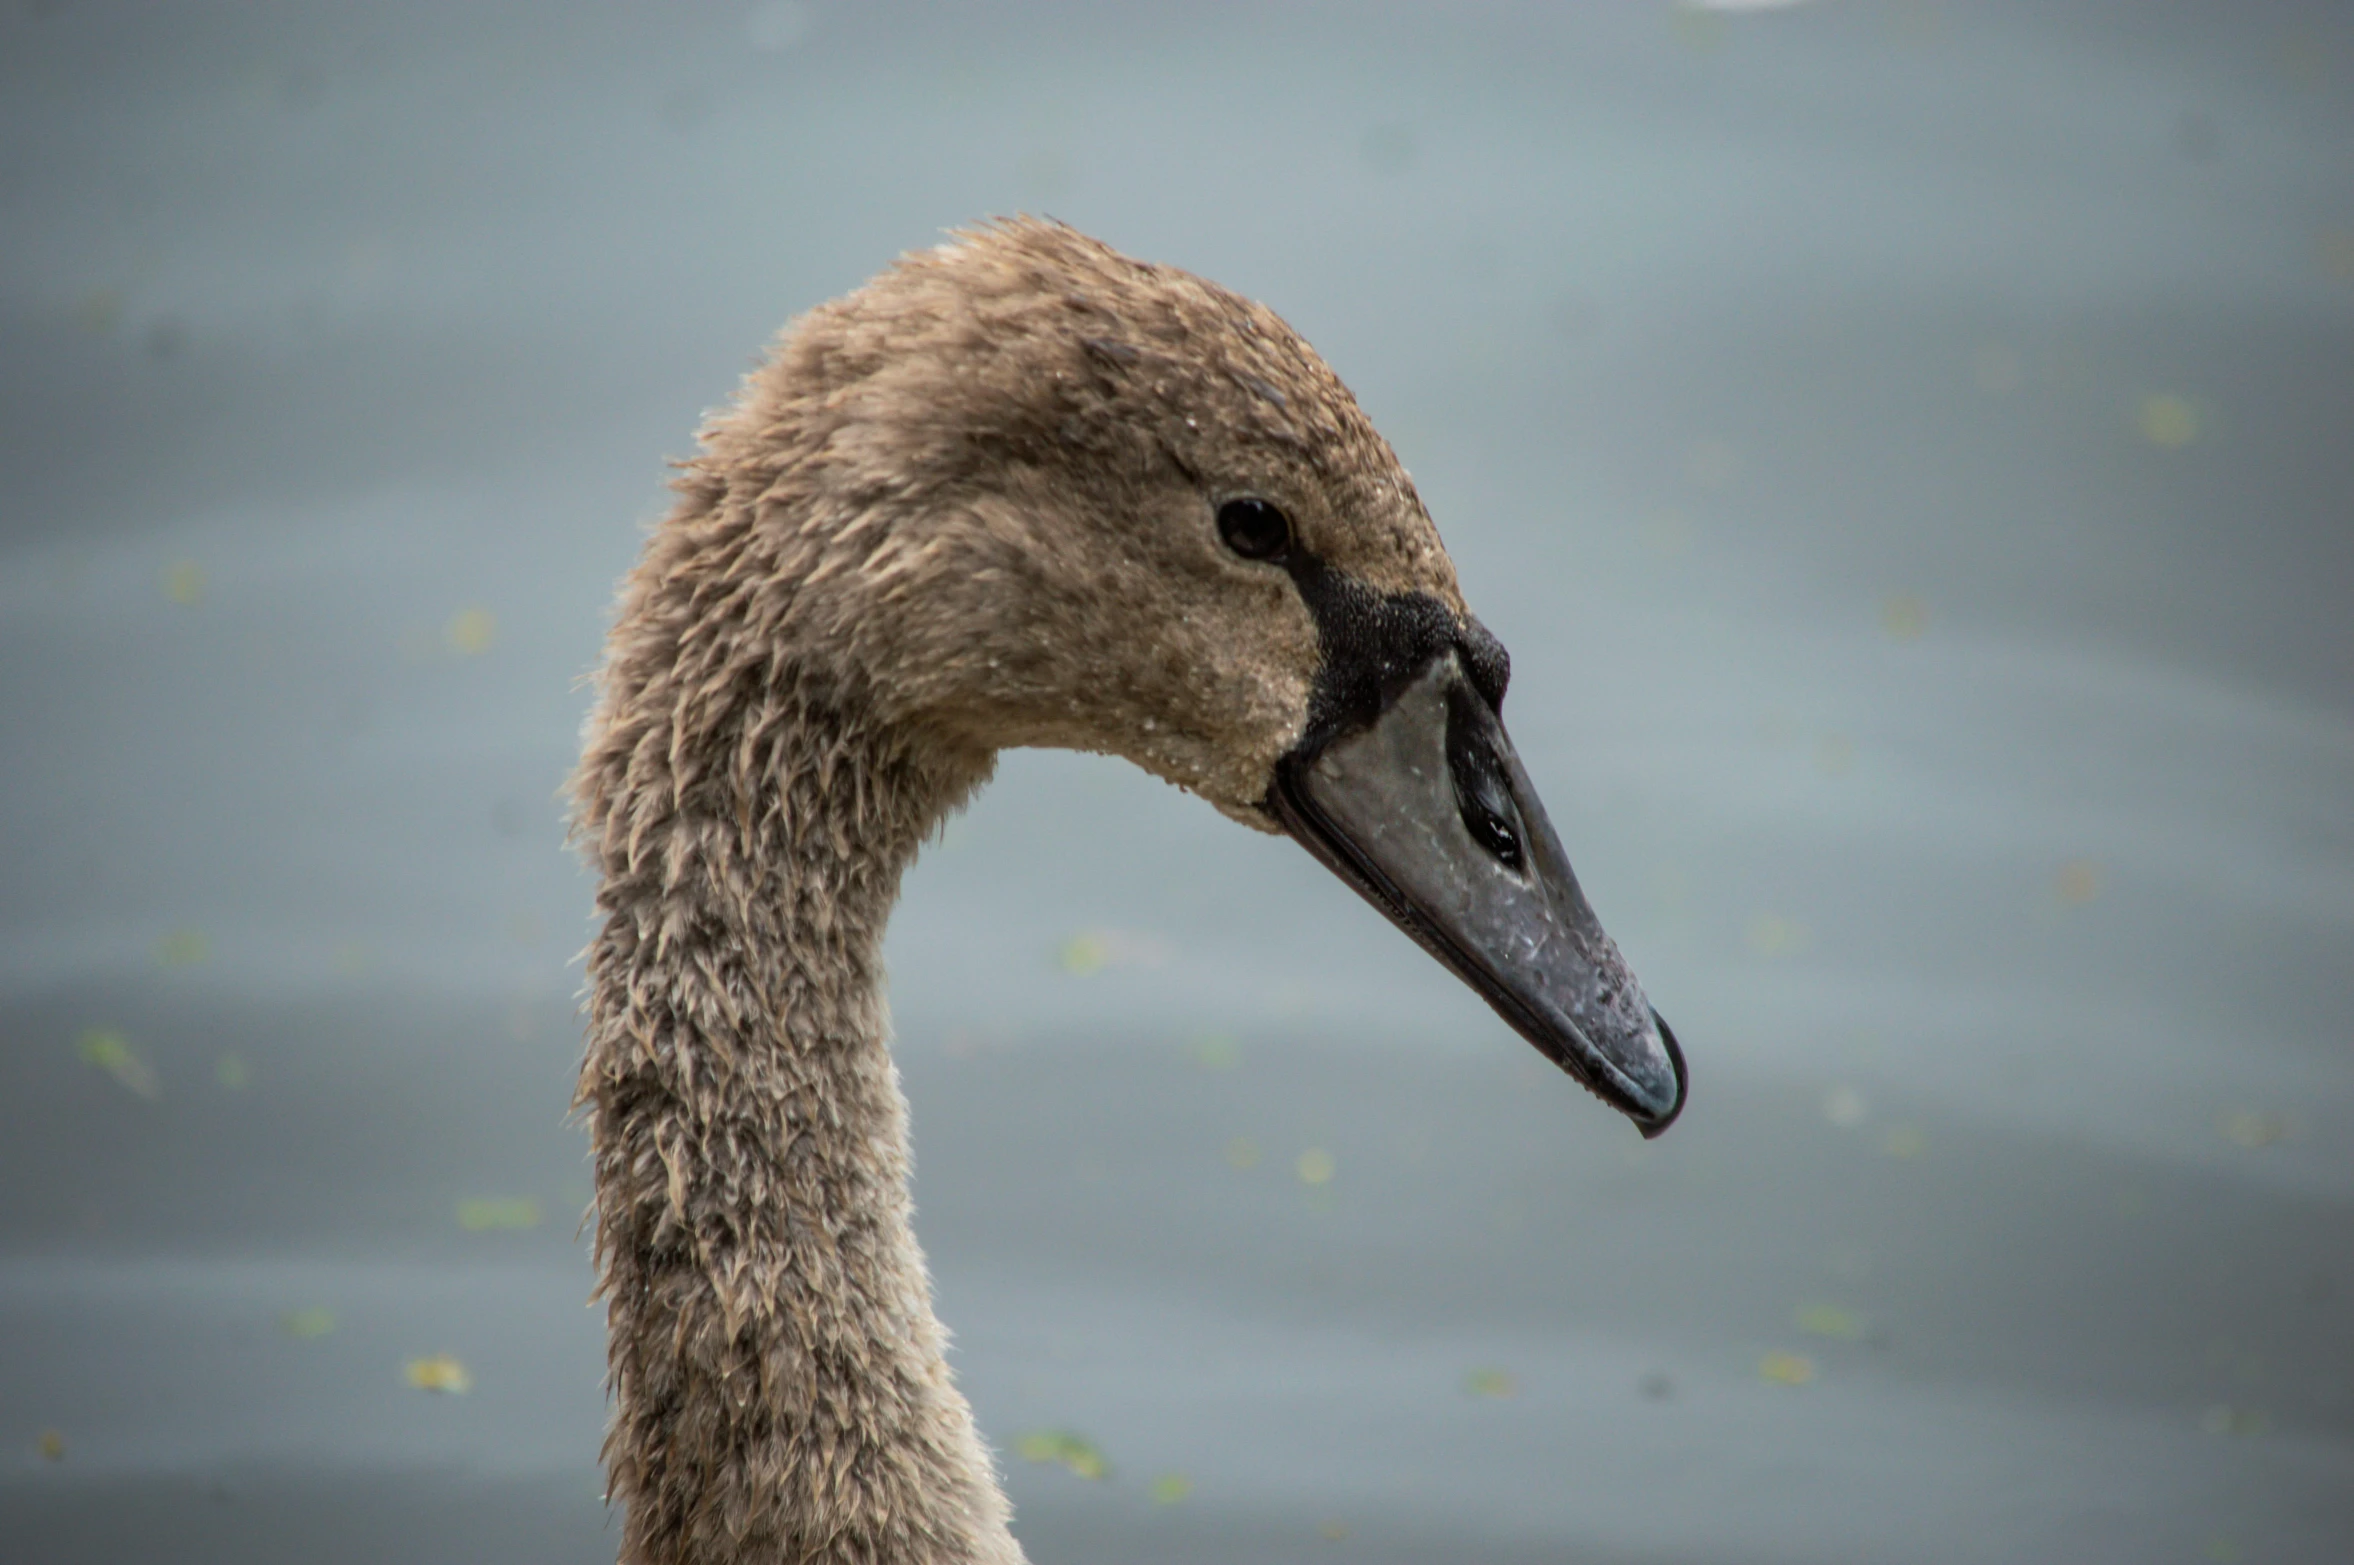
{"points": [[1907, 447]]}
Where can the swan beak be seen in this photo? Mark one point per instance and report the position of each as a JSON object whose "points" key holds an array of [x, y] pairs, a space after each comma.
{"points": [[1428, 814]]}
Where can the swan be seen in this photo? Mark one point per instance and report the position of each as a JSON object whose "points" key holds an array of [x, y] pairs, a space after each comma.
{"points": [[1019, 489]]}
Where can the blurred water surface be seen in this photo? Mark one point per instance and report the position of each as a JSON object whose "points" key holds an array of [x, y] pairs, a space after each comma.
{"points": [[1903, 445]]}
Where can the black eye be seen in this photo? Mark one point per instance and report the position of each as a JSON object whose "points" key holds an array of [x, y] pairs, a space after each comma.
{"points": [[1254, 529]]}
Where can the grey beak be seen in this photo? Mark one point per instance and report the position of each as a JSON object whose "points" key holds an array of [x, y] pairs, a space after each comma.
{"points": [[1428, 814]]}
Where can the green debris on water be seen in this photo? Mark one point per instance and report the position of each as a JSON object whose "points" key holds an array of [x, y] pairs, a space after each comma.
{"points": [[1171, 1488], [484, 1214], [114, 1053], [1904, 616], [1904, 1141], [2168, 420], [470, 632], [1091, 951], [183, 947], [1494, 1383], [1061, 1448], [1216, 1051], [307, 1325], [1829, 1320], [1084, 955], [440, 1372]]}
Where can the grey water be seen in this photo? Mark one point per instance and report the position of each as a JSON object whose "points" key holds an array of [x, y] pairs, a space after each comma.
{"points": [[1905, 447]]}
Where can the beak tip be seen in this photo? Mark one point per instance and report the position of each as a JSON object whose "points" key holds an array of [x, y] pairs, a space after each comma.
{"points": [[1654, 1124]]}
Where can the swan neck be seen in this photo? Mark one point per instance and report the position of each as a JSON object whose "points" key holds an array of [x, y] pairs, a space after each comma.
{"points": [[778, 1384]]}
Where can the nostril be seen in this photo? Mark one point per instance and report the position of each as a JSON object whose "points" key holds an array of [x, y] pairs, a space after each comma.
{"points": [[1490, 831], [1482, 796]]}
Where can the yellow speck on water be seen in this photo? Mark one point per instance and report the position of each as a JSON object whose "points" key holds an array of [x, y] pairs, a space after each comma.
{"points": [[309, 1325], [440, 1372], [1093, 950], [1084, 954], [1315, 1167], [2223, 1550], [1489, 1383], [1904, 1141], [1787, 1369], [183, 947], [1770, 934], [351, 958], [113, 1053], [1829, 1320], [1845, 1107], [481, 1214], [1242, 1153], [1216, 1051], [1835, 755], [1061, 1448], [1170, 1488], [231, 1071], [1333, 1532], [2254, 1127], [184, 583], [2168, 420], [1904, 616], [2079, 882], [52, 1445], [470, 632]]}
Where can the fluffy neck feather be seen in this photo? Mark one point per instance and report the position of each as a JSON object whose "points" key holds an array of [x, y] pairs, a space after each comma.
{"points": [[776, 1371]]}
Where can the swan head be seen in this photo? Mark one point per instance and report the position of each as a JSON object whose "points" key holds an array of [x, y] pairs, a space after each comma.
{"points": [[1038, 493]]}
